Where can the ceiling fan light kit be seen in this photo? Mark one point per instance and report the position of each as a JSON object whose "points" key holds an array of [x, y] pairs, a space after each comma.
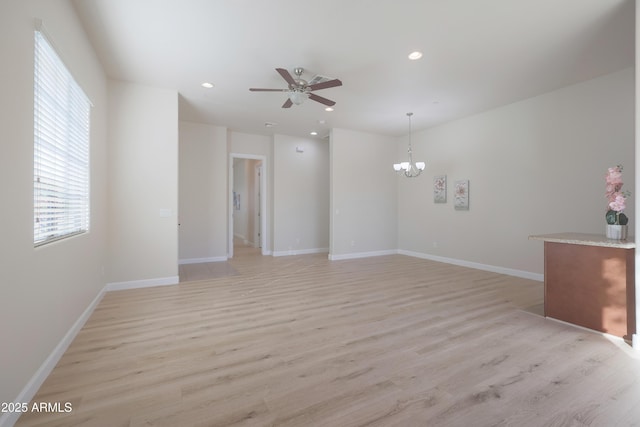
{"points": [[409, 169], [298, 97], [300, 90]]}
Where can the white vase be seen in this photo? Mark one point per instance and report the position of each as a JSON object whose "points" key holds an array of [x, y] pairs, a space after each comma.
{"points": [[616, 232]]}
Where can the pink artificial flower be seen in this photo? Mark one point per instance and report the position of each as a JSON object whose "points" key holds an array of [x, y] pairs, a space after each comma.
{"points": [[618, 204], [616, 198], [614, 177], [611, 192]]}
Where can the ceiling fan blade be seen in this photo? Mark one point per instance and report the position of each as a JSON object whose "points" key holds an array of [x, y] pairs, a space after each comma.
{"points": [[254, 89], [287, 76], [325, 85], [288, 103], [321, 100]]}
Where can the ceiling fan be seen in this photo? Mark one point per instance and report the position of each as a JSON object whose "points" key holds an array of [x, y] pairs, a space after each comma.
{"points": [[299, 89]]}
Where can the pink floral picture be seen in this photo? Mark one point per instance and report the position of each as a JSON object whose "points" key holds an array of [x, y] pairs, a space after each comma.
{"points": [[440, 189], [461, 195]]}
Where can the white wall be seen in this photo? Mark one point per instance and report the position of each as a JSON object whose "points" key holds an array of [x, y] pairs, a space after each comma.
{"points": [[202, 192], [301, 195], [249, 143], [43, 291], [363, 194], [535, 167], [302, 191], [143, 184]]}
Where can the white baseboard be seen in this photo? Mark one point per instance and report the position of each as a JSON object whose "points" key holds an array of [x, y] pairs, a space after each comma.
{"points": [[27, 393], [146, 283], [362, 255], [478, 266], [300, 252], [202, 260]]}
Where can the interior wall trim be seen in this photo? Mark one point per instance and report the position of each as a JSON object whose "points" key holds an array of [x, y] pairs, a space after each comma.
{"points": [[201, 260], [146, 283], [478, 266], [301, 252], [355, 255]]}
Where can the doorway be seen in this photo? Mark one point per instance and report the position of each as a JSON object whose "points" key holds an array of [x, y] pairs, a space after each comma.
{"points": [[247, 216]]}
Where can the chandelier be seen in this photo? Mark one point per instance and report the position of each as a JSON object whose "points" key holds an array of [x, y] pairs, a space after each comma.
{"points": [[409, 169]]}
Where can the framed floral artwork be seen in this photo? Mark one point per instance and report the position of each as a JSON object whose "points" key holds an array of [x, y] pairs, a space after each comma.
{"points": [[461, 195], [440, 189]]}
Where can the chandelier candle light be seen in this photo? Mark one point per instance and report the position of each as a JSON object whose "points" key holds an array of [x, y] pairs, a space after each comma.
{"points": [[409, 169]]}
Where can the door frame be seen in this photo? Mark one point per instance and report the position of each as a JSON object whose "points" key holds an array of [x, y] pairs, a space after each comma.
{"points": [[257, 232], [264, 236]]}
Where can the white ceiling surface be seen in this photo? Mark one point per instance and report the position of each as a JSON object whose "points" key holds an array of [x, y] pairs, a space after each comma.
{"points": [[478, 54]]}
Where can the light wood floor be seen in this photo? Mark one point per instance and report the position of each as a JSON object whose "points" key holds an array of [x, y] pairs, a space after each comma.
{"points": [[303, 341], [215, 270]]}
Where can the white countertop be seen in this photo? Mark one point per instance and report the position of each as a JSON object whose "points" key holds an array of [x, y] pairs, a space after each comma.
{"points": [[585, 239]]}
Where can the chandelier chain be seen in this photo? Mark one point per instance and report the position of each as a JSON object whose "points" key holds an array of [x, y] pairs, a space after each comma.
{"points": [[409, 169]]}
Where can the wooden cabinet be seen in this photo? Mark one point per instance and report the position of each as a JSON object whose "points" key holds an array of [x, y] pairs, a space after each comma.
{"points": [[590, 281]]}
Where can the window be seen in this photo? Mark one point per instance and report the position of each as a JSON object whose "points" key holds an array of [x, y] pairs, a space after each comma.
{"points": [[61, 149]]}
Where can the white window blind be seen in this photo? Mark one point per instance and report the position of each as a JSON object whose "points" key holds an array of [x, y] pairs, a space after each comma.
{"points": [[61, 149]]}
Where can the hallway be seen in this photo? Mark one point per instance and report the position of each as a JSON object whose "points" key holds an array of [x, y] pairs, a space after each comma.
{"points": [[214, 270]]}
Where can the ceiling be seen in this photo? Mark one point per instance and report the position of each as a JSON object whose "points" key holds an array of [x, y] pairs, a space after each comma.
{"points": [[477, 55]]}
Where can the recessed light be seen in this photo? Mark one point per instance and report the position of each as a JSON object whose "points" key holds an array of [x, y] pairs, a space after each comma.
{"points": [[328, 109], [207, 85], [415, 55], [314, 133], [270, 124]]}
